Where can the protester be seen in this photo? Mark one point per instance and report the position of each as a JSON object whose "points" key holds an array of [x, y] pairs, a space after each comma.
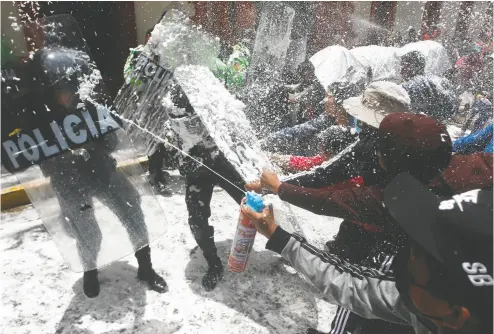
{"points": [[233, 70], [276, 110], [429, 94], [482, 109], [314, 136], [313, 93], [468, 67], [407, 142], [480, 141], [329, 143], [442, 277]]}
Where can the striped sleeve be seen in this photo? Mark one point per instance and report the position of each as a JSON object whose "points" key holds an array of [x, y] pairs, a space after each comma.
{"points": [[364, 291]]}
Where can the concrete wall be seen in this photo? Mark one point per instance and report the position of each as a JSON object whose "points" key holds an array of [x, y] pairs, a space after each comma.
{"points": [[13, 38], [149, 12]]}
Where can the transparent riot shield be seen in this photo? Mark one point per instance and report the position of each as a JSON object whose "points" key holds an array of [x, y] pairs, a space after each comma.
{"points": [[187, 98], [272, 42], [149, 84], [74, 160], [264, 82], [196, 103]]}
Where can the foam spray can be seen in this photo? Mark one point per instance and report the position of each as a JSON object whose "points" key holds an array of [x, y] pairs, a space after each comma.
{"points": [[244, 236]]}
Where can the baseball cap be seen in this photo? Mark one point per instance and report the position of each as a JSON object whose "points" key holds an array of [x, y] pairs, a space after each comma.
{"points": [[414, 143], [457, 232], [378, 100]]}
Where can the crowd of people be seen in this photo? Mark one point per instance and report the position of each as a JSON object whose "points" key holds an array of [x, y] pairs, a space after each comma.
{"points": [[398, 173], [414, 249], [405, 190]]}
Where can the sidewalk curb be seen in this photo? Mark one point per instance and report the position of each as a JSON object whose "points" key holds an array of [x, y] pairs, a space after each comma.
{"points": [[15, 196]]}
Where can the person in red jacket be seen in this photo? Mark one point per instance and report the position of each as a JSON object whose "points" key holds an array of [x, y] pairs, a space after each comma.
{"points": [[407, 143]]}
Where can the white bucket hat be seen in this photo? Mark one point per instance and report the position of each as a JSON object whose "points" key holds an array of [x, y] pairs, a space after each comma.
{"points": [[379, 99]]}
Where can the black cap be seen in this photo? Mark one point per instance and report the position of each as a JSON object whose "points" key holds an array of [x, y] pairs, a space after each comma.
{"points": [[456, 231], [415, 59]]}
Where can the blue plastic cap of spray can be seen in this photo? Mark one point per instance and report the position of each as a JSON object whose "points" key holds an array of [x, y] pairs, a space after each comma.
{"points": [[254, 201]]}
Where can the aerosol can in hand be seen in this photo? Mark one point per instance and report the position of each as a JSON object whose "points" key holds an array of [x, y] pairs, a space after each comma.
{"points": [[245, 235]]}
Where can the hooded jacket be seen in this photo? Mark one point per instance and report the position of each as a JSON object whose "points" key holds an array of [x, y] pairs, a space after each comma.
{"points": [[364, 203]]}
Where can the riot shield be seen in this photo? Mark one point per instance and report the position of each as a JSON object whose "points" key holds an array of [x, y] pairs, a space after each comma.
{"points": [[187, 98], [272, 42], [175, 41], [76, 163], [188, 90], [264, 89]]}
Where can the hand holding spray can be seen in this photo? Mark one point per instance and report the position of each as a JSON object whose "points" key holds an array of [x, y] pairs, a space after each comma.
{"points": [[244, 236]]}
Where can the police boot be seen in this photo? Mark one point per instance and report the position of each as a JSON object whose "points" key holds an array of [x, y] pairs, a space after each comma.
{"points": [[162, 181], [146, 272], [214, 273], [90, 283]]}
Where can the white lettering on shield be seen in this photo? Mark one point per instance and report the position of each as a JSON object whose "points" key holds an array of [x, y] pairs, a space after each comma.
{"points": [[74, 127]]}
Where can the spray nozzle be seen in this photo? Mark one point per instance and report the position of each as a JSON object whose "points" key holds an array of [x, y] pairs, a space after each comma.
{"points": [[254, 201]]}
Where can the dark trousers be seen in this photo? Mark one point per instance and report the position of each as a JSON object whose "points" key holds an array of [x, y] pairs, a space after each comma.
{"points": [[75, 191], [156, 160], [198, 193], [359, 246], [163, 157]]}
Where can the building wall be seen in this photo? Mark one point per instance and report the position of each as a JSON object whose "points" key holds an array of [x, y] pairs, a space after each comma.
{"points": [[12, 37], [408, 13], [148, 13]]}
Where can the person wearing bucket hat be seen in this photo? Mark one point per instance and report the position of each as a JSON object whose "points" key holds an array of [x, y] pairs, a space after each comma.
{"points": [[442, 278], [407, 143], [379, 99]]}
